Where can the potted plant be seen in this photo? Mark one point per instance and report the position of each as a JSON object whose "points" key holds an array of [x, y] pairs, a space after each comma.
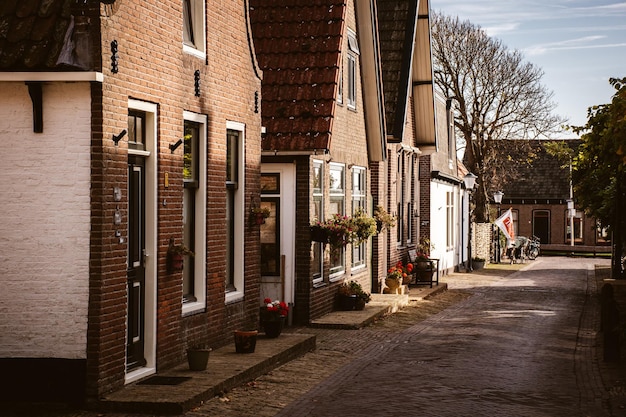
{"points": [[198, 357], [364, 226], [259, 214], [478, 262], [398, 275], [272, 316], [337, 231], [423, 264], [176, 256], [351, 296], [383, 219]]}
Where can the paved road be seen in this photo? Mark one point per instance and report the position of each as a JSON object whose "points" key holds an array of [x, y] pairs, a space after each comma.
{"points": [[520, 346]]}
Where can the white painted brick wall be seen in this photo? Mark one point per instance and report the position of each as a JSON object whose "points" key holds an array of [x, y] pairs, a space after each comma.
{"points": [[44, 232]]}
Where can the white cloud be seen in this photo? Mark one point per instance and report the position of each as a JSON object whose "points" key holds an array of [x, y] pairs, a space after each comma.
{"points": [[585, 42]]}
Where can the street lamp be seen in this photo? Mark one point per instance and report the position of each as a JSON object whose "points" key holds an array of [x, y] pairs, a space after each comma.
{"points": [[469, 181], [497, 197]]}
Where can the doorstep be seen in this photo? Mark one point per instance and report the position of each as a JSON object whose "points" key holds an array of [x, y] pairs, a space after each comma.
{"points": [[226, 369], [379, 306]]}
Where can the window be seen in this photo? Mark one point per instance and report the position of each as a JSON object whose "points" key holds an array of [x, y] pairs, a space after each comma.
{"points": [[353, 52], [411, 206], [541, 225], [234, 210], [449, 219], [359, 201], [136, 130], [337, 194], [194, 211], [400, 198], [194, 27], [270, 230], [340, 86], [318, 213], [603, 236], [578, 227]]}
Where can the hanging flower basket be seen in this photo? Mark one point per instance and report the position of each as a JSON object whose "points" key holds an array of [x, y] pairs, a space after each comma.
{"points": [[259, 214], [318, 234]]}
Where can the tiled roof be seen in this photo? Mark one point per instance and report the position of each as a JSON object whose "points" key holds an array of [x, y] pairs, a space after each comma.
{"points": [[297, 45], [396, 23], [543, 178], [49, 35], [32, 33]]}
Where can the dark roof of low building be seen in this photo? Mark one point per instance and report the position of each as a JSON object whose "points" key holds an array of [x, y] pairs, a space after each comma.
{"points": [[298, 47], [544, 178], [33, 33], [396, 23]]}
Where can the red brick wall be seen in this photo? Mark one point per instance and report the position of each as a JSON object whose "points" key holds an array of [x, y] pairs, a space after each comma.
{"points": [[153, 68]]}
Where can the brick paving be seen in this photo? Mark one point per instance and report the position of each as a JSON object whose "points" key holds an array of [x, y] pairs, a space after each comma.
{"points": [[378, 370]]}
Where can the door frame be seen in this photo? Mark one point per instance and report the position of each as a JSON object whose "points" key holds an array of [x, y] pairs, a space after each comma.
{"points": [[150, 316], [287, 225]]}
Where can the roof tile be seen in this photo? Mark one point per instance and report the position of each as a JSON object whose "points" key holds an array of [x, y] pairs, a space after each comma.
{"points": [[298, 47]]}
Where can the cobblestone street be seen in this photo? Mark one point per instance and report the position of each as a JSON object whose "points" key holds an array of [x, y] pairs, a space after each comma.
{"points": [[499, 342]]}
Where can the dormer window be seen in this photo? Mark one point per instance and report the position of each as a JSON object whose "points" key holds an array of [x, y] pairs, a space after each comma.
{"points": [[194, 27], [353, 52]]}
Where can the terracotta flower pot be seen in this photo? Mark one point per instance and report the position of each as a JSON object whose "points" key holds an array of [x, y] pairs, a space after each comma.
{"points": [[393, 284], [245, 341], [198, 359]]}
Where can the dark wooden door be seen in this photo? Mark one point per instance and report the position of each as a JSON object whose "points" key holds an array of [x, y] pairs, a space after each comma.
{"points": [[136, 268]]}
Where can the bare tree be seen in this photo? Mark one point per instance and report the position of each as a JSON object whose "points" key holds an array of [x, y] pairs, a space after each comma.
{"points": [[496, 96]]}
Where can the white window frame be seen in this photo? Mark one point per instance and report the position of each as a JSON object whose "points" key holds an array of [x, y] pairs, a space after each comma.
{"points": [[340, 270], [238, 274], [199, 259], [400, 199], [340, 86], [198, 20], [450, 211], [359, 200], [351, 58], [317, 245]]}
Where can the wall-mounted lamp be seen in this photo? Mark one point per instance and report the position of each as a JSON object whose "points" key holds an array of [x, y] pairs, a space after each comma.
{"points": [[117, 138], [114, 57], [196, 83], [497, 197], [174, 146], [470, 181]]}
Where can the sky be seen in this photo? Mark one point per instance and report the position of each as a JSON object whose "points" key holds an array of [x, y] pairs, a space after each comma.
{"points": [[578, 44]]}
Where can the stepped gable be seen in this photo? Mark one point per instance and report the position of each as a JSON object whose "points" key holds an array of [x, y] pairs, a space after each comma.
{"points": [[298, 47]]}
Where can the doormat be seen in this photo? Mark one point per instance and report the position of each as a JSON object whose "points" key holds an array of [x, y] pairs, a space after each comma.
{"points": [[164, 380]]}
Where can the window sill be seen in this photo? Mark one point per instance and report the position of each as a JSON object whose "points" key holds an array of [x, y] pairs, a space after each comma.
{"points": [[233, 297], [319, 284], [193, 51], [191, 308]]}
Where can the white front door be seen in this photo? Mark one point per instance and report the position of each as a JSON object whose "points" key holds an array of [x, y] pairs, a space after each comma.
{"points": [[277, 233]]}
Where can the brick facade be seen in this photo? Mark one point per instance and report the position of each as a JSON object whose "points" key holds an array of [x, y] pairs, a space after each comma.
{"points": [[81, 166]]}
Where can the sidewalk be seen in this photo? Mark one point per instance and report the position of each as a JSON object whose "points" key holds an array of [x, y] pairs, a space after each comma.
{"points": [[178, 390]]}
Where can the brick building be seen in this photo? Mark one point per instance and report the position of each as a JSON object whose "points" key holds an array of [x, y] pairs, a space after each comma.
{"points": [[539, 198], [322, 111], [127, 128]]}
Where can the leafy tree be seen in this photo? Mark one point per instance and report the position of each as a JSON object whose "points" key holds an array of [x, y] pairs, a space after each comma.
{"points": [[497, 96], [599, 168]]}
